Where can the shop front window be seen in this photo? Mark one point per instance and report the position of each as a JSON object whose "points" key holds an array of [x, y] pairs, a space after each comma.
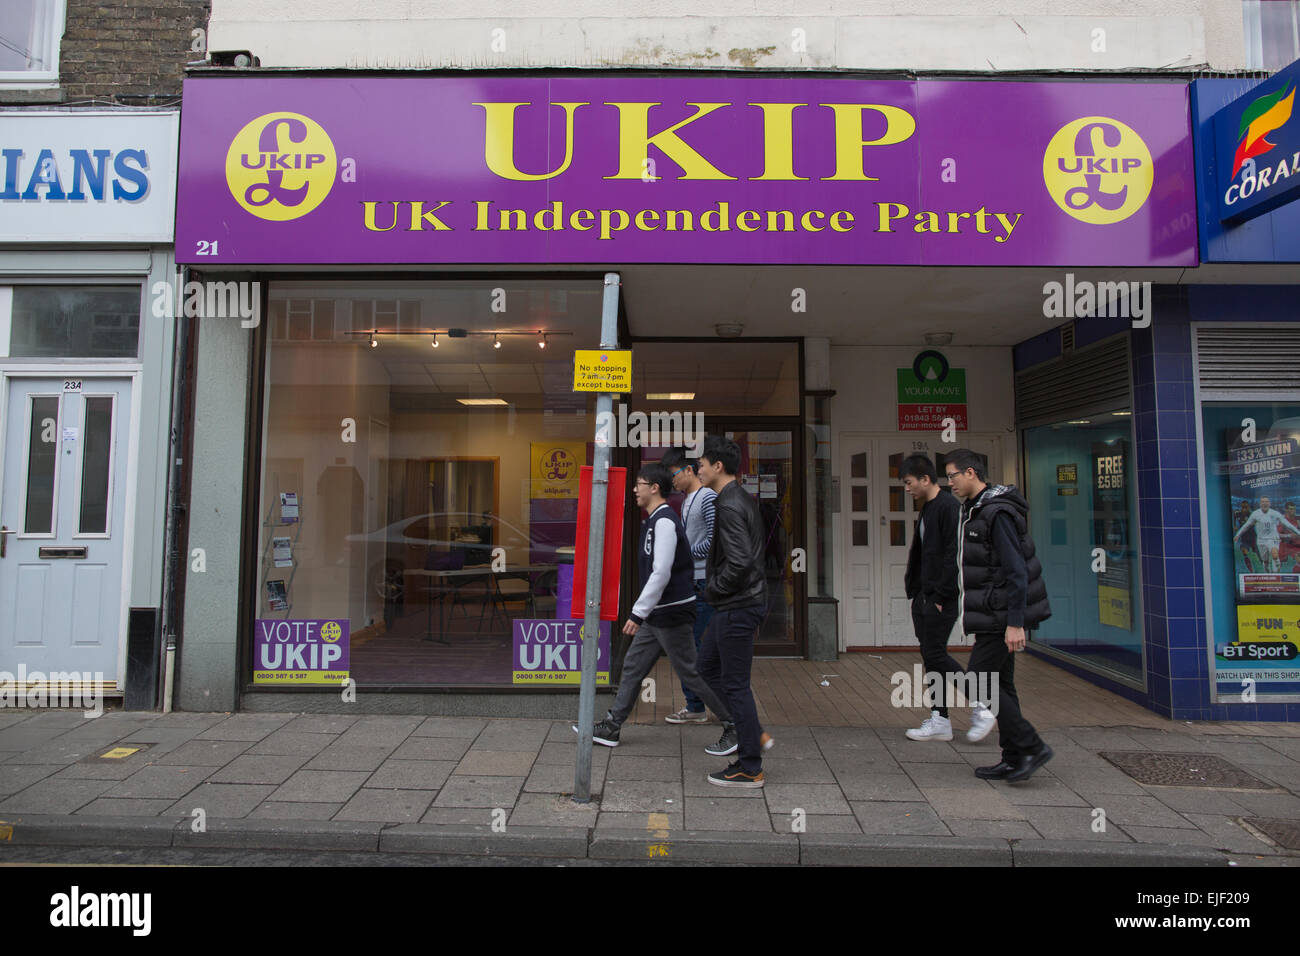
{"points": [[421, 452], [1082, 516], [1252, 493]]}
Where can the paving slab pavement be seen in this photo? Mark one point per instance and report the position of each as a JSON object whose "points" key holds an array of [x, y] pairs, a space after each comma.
{"points": [[502, 787]]}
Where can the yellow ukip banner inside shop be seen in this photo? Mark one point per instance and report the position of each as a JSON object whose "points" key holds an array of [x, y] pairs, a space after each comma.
{"points": [[602, 370], [555, 468]]}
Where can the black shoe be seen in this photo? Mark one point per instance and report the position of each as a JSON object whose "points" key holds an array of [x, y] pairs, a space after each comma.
{"points": [[605, 732], [735, 776], [727, 744], [1028, 764], [996, 772]]}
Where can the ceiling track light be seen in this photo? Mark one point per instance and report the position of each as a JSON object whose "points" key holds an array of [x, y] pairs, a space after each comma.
{"points": [[543, 337]]}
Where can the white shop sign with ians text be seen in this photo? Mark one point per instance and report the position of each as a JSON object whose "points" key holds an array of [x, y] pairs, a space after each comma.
{"points": [[101, 176]]}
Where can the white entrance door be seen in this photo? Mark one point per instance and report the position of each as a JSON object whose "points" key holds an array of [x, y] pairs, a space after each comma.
{"points": [[63, 517], [859, 534], [878, 527]]}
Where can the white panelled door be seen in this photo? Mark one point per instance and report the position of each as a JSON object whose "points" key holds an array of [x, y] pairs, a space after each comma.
{"points": [[878, 524], [63, 517], [858, 607]]}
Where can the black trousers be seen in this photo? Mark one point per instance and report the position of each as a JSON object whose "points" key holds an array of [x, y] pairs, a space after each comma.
{"points": [[933, 628], [726, 659], [990, 657]]}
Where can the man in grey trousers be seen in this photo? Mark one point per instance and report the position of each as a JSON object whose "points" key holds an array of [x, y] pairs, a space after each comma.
{"points": [[663, 618]]}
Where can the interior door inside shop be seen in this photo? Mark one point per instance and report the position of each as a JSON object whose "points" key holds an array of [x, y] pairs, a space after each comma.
{"points": [[748, 392]]}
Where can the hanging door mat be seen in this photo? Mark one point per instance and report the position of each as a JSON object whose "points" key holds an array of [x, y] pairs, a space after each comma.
{"points": [[1184, 770]]}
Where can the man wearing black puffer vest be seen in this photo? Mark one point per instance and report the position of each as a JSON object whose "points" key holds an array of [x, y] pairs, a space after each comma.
{"points": [[1002, 594]]}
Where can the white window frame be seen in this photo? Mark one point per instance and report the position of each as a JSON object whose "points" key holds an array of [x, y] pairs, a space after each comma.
{"points": [[52, 14], [1252, 12]]}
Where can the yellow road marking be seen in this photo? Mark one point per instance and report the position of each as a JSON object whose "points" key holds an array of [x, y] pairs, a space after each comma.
{"points": [[657, 824]]}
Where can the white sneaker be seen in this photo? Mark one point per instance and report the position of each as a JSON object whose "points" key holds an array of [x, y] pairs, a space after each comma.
{"points": [[981, 722], [933, 728]]}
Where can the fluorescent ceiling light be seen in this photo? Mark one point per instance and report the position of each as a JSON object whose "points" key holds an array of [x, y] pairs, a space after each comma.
{"points": [[1121, 413], [1079, 421], [670, 396], [482, 401]]}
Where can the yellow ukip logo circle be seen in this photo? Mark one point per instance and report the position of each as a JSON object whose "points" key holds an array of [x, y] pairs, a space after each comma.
{"points": [[1098, 170], [331, 631], [281, 166]]}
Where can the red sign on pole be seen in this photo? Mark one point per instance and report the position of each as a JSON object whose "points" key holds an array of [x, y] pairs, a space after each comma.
{"points": [[613, 549]]}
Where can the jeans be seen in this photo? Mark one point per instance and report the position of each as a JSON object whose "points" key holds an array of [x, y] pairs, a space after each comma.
{"points": [[726, 657], [703, 614], [1015, 734], [933, 628], [648, 643]]}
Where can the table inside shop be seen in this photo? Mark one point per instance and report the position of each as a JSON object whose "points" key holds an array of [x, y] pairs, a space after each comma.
{"points": [[451, 581]]}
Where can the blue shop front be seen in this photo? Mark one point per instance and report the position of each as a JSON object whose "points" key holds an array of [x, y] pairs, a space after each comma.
{"points": [[1161, 450]]}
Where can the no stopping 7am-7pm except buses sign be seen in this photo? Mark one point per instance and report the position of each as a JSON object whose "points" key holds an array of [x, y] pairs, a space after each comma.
{"points": [[602, 370], [745, 169]]}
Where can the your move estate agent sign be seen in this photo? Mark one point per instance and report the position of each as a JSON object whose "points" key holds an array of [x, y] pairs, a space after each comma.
{"points": [[818, 170]]}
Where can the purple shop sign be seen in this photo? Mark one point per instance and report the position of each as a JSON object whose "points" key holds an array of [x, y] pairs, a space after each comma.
{"points": [[550, 652], [503, 169], [298, 653]]}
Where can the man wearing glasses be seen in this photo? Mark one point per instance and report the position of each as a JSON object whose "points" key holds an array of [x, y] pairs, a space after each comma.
{"points": [[664, 613], [697, 517], [1002, 593], [931, 584]]}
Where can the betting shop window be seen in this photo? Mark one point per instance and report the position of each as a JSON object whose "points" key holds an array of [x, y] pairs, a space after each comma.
{"points": [[1083, 519]]}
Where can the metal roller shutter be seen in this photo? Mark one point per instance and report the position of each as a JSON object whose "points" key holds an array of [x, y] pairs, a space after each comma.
{"points": [[1093, 379], [1248, 359]]}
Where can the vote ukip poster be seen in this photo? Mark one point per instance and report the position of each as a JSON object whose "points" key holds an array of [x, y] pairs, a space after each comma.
{"points": [[1264, 483]]}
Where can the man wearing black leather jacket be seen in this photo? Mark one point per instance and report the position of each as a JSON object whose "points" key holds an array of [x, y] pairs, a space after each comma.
{"points": [[736, 587]]}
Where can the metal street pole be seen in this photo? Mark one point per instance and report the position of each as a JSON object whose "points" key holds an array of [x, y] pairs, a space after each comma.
{"points": [[595, 553]]}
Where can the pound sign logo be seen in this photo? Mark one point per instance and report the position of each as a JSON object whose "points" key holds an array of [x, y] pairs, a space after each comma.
{"points": [[281, 166], [1098, 170]]}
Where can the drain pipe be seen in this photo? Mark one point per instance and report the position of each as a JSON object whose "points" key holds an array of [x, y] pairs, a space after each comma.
{"points": [[177, 500]]}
